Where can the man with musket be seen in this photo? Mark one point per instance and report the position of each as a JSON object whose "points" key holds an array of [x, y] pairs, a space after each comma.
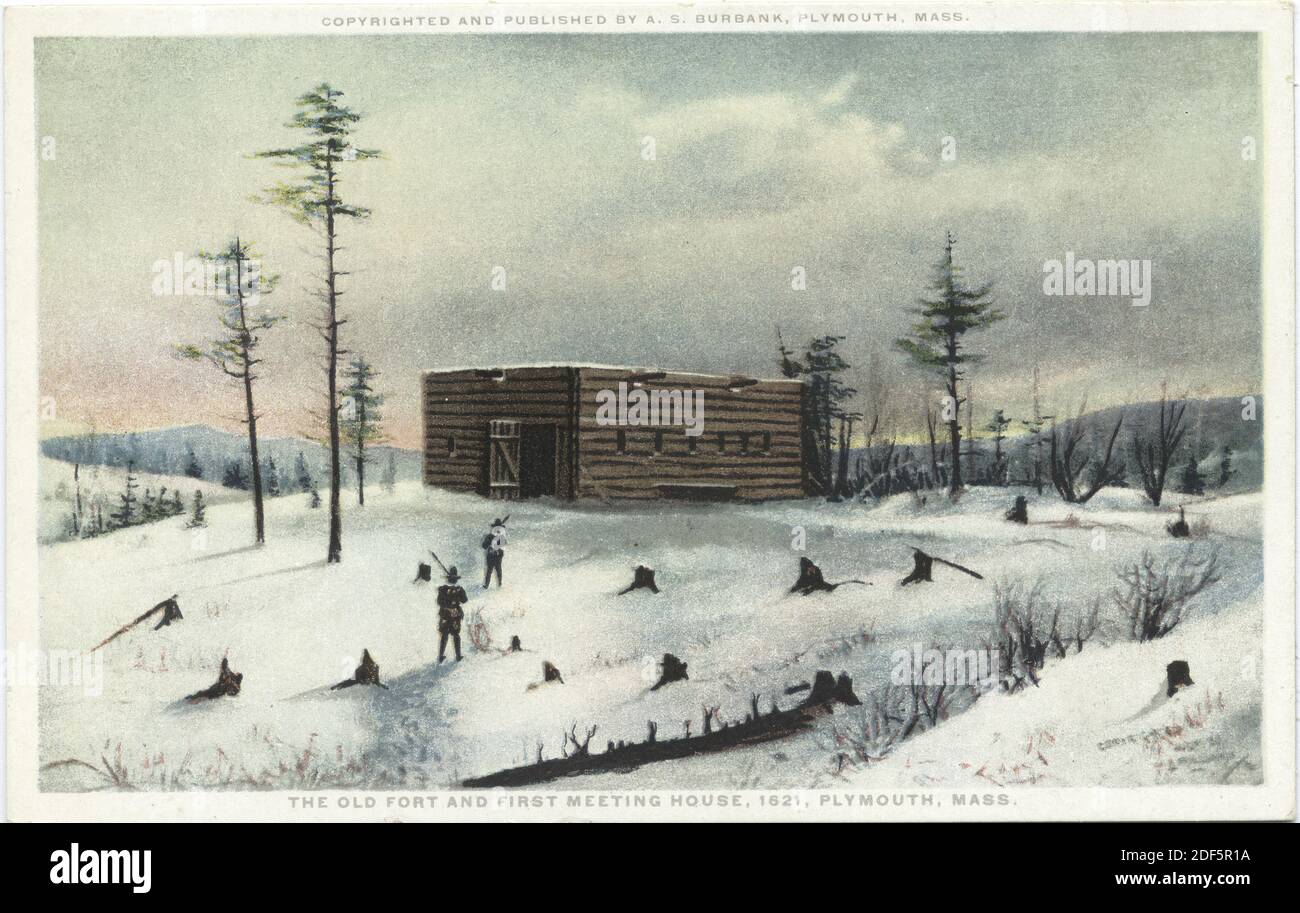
{"points": [[494, 550], [451, 596]]}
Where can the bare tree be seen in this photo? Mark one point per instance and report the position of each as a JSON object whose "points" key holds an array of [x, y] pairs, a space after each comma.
{"points": [[1154, 598], [937, 451], [998, 426], [240, 287], [1067, 462], [1086, 624], [1023, 630], [1035, 428], [1153, 453]]}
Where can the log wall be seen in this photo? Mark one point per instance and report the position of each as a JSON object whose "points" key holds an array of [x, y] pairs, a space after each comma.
{"points": [[459, 404], [751, 438], [751, 441]]}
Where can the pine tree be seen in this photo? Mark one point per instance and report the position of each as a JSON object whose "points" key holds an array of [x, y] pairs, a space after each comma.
{"points": [[233, 351], [177, 507], [305, 482], [198, 513], [271, 477], [935, 343], [192, 467], [821, 367], [998, 425], [389, 479], [314, 201], [1226, 471], [314, 501], [361, 418], [148, 509], [235, 477], [1193, 483], [126, 513]]}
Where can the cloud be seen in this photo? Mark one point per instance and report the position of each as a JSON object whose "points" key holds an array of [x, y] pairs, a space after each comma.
{"points": [[682, 260], [839, 92]]}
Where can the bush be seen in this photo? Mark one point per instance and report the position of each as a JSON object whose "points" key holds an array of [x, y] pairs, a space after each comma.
{"points": [[1154, 599]]}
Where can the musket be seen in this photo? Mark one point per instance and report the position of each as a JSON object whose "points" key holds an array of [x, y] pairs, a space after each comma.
{"points": [[439, 560]]}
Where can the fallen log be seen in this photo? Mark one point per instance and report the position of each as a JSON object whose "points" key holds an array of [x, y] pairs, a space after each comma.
{"points": [[621, 757], [171, 612], [227, 685]]}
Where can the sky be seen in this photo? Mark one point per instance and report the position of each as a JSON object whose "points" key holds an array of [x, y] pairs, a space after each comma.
{"points": [[525, 156]]}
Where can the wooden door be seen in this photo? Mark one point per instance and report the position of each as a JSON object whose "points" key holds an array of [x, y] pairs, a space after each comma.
{"points": [[503, 459]]}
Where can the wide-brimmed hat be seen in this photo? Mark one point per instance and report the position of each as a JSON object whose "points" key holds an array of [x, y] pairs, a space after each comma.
{"points": [[500, 522], [452, 576]]}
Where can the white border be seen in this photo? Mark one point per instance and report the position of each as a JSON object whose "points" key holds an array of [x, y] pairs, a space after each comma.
{"points": [[1273, 800]]}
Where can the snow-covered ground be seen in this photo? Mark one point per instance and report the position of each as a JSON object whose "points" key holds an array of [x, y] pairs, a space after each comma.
{"points": [[293, 626]]}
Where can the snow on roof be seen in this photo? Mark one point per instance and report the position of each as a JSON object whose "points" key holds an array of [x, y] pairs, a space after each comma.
{"points": [[630, 369]]}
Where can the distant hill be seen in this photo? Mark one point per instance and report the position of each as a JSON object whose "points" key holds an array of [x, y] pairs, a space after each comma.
{"points": [[166, 451]]}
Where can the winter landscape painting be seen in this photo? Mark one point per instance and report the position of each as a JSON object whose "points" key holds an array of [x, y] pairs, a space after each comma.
{"points": [[698, 418]]}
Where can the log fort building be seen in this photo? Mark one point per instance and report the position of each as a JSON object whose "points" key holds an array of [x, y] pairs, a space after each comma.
{"points": [[534, 431]]}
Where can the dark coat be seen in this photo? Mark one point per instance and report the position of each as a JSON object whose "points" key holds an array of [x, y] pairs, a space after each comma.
{"points": [[450, 599]]}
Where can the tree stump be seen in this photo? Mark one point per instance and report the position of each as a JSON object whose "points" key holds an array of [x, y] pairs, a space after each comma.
{"points": [[923, 569], [642, 578], [1179, 529], [171, 612], [810, 579], [925, 565], [367, 674], [826, 689], [227, 685], [1019, 512], [674, 670], [1179, 676]]}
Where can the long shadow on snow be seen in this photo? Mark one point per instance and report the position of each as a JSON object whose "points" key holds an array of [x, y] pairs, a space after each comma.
{"points": [[410, 728]]}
